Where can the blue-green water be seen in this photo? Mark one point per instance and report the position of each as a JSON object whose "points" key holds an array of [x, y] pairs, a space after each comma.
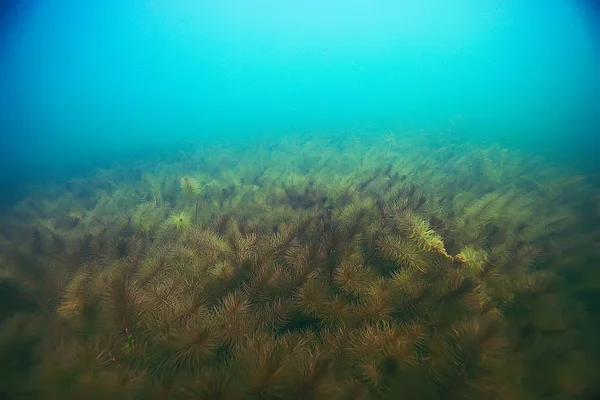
{"points": [[299, 200], [83, 81]]}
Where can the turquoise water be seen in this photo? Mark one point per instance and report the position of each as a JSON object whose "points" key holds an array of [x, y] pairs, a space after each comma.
{"points": [[96, 82], [311, 199]]}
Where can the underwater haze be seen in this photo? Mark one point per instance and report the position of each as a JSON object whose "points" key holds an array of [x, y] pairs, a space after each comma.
{"points": [[88, 81], [299, 200]]}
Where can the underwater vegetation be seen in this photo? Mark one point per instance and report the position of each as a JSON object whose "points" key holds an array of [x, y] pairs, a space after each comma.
{"points": [[396, 266]]}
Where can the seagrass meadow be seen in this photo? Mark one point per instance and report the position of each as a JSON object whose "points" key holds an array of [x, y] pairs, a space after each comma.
{"points": [[397, 266]]}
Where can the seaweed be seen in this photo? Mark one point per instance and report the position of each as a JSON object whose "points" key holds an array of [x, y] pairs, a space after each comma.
{"points": [[305, 273]]}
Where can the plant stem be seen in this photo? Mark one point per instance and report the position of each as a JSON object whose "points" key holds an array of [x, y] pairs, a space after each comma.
{"points": [[501, 167]]}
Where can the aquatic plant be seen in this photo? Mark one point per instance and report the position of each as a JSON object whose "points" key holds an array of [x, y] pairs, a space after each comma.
{"points": [[330, 275], [180, 221], [190, 185]]}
